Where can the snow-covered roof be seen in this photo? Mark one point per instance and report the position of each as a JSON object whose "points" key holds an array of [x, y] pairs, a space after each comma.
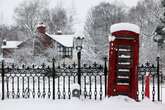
{"points": [[125, 27], [65, 40], [12, 44]]}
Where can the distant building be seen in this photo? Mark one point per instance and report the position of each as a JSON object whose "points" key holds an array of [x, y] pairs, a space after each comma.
{"points": [[8, 47], [62, 44]]}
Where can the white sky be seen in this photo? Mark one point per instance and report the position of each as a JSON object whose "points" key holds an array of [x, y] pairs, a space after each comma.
{"points": [[81, 7]]}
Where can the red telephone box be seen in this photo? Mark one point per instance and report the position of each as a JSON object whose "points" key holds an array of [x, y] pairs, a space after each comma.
{"points": [[123, 60]]}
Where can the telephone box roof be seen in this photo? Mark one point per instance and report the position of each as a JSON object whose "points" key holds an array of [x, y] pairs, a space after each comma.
{"points": [[125, 27]]}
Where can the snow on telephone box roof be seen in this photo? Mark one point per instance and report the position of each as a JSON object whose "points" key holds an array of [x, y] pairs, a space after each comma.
{"points": [[125, 27], [65, 40]]}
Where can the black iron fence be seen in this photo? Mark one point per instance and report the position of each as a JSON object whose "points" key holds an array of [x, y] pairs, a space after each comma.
{"points": [[56, 82], [155, 81]]}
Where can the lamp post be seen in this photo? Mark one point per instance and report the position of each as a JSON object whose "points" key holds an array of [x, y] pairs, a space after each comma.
{"points": [[78, 44]]}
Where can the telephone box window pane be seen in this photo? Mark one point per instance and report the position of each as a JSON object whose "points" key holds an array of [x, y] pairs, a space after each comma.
{"points": [[124, 63]]}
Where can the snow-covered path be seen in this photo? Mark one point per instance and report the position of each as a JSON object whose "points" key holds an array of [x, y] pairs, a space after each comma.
{"points": [[113, 103]]}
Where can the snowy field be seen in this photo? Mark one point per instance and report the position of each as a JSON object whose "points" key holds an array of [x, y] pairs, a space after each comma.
{"points": [[163, 95], [113, 103]]}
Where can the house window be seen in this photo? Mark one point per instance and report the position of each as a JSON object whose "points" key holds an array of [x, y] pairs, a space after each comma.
{"points": [[68, 52], [64, 51], [60, 50]]}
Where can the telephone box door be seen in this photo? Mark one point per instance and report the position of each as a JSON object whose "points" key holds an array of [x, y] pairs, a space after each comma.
{"points": [[123, 64]]}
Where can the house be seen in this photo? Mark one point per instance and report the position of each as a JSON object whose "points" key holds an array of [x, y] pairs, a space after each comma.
{"points": [[8, 47], [60, 45], [63, 44]]}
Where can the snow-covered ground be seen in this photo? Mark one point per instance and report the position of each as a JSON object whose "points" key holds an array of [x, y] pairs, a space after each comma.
{"points": [[163, 94], [162, 91], [113, 103]]}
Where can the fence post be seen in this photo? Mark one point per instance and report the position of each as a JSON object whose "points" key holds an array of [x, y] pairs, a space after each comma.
{"points": [[53, 74], [3, 74], [158, 78], [105, 74], [79, 69]]}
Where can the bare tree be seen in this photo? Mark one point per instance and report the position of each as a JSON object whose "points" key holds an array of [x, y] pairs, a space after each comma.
{"points": [[29, 13], [146, 15], [98, 23], [58, 19]]}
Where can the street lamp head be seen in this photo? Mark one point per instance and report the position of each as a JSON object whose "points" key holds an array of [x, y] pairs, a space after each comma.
{"points": [[78, 43]]}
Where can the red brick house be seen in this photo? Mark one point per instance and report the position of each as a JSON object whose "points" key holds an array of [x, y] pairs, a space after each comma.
{"points": [[41, 42], [63, 43]]}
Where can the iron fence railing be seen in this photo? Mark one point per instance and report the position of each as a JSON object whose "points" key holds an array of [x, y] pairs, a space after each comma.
{"points": [[155, 81], [56, 82]]}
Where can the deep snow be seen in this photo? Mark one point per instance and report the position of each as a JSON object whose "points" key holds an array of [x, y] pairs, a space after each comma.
{"points": [[113, 103]]}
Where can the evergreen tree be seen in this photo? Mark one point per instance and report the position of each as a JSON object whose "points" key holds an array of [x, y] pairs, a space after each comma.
{"points": [[160, 37], [97, 28], [160, 30]]}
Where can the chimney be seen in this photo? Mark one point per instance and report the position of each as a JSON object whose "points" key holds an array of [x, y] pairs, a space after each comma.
{"points": [[4, 42], [41, 28]]}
